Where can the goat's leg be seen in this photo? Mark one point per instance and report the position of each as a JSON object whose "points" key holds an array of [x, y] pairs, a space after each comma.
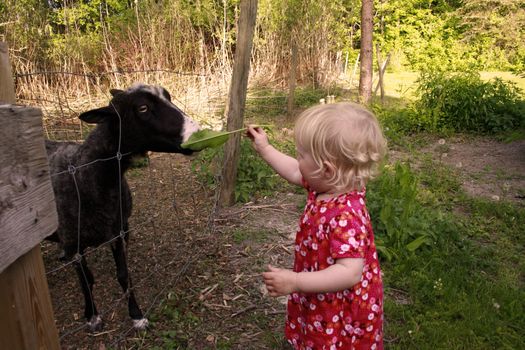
{"points": [[86, 282], [119, 253]]}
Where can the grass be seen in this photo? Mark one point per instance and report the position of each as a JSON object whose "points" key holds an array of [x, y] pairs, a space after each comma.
{"points": [[467, 292]]}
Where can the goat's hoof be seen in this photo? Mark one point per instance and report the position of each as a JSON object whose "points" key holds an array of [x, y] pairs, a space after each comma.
{"points": [[95, 324], [141, 324]]}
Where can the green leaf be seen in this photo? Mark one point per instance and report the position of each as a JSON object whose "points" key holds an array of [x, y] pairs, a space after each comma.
{"points": [[416, 243], [207, 138]]}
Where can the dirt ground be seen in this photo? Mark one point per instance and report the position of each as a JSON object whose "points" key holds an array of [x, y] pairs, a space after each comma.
{"points": [[196, 269]]}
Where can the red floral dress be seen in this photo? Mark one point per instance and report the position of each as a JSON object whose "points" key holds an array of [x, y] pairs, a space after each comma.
{"points": [[349, 319]]}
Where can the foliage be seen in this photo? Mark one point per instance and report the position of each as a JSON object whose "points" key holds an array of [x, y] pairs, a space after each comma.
{"points": [[501, 23], [450, 34], [463, 102], [401, 223], [102, 35]]}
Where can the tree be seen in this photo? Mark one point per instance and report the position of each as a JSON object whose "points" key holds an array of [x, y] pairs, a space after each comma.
{"points": [[365, 77]]}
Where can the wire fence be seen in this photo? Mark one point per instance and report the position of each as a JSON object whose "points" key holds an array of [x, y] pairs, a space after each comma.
{"points": [[201, 96], [158, 272]]}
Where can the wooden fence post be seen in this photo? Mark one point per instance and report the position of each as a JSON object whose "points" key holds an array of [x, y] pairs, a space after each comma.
{"points": [[237, 99], [27, 216]]}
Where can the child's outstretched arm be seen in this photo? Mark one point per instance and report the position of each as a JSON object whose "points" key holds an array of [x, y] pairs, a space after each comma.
{"points": [[284, 165], [344, 274]]}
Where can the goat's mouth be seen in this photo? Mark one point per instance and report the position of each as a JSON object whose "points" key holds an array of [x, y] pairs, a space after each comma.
{"points": [[185, 151]]}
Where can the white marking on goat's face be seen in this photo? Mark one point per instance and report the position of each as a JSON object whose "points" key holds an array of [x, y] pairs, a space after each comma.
{"points": [[190, 126]]}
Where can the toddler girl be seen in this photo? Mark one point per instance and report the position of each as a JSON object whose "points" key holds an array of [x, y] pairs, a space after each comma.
{"points": [[335, 291]]}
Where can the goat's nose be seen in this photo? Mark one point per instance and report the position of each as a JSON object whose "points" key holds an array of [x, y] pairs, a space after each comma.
{"points": [[190, 126]]}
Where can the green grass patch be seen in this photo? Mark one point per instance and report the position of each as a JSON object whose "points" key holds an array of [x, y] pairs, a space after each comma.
{"points": [[466, 290]]}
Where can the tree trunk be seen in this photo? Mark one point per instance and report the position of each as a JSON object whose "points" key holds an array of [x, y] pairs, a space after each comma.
{"points": [[237, 99], [365, 77]]}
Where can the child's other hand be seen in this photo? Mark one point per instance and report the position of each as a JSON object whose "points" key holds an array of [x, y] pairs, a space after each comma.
{"points": [[258, 137], [280, 281]]}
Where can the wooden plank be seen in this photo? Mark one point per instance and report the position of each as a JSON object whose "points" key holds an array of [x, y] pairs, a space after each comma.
{"points": [[27, 206], [27, 320], [7, 88]]}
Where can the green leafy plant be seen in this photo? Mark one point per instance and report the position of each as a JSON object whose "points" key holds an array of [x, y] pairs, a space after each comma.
{"points": [[401, 223], [463, 102]]}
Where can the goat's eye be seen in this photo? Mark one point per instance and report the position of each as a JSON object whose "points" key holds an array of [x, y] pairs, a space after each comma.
{"points": [[143, 109]]}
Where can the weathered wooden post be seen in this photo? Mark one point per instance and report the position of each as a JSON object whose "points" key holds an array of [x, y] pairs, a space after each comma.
{"points": [[237, 98], [27, 216]]}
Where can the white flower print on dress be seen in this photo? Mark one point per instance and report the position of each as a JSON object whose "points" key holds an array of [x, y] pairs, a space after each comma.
{"points": [[335, 318], [345, 248], [365, 296], [364, 283], [371, 316], [329, 331], [353, 242], [322, 210], [343, 223]]}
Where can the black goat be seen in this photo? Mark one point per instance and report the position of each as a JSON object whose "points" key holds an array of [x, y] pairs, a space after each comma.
{"points": [[92, 196]]}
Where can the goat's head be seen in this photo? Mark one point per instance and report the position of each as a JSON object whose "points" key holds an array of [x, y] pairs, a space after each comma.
{"points": [[147, 119]]}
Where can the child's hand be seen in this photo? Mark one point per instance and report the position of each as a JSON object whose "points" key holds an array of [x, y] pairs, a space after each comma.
{"points": [[258, 137], [280, 281]]}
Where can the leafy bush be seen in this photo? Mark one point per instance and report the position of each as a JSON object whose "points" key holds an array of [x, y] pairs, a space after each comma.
{"points": [[463, 102], [254, 176], [402, 224]]}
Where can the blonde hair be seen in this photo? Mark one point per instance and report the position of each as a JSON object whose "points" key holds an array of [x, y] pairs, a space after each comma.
{"points": [[346, 135]]}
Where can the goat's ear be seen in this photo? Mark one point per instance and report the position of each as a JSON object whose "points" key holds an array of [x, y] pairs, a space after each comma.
{"points": [[115, 92], [98, 115]]}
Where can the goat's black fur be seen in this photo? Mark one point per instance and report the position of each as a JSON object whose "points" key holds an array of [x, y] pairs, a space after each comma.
{"points": [[94, 201]]}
